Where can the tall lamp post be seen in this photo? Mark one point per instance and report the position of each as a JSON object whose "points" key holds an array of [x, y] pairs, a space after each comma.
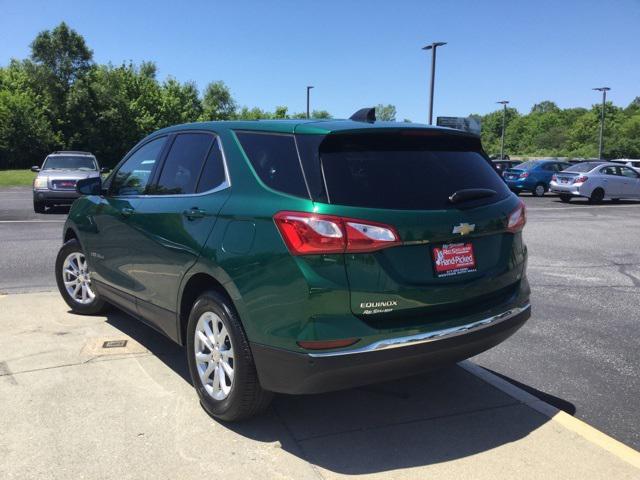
{"points": [[433, 47], [504, 117], [309, 87], [604, 91]]}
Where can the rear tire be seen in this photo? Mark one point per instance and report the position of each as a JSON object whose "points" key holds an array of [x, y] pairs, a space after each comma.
{"points": [[73, 279], [39, 207], [220, 361], [565, 198], [539, 190], [597, 196]]}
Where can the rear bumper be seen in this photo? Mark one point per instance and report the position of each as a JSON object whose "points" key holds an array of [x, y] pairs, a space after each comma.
{"points": [[59, 197], [290, 372], [565, 189]]}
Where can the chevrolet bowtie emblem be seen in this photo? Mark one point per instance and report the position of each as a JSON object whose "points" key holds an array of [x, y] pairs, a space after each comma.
{"points": [[464, 228]]}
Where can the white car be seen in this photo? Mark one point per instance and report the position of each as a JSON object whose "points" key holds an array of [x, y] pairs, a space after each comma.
{"points": [[597, 181]]}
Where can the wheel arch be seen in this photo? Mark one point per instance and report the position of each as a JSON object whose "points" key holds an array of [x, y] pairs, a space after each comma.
{"points": [[192, 287]]}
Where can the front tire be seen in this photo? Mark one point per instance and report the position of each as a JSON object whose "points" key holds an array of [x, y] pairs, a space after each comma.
{"points": [[74, 281], [39, 207], [220, 361]]}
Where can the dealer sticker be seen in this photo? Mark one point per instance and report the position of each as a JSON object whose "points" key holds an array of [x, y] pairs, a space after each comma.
{"points": [[453, 259]]}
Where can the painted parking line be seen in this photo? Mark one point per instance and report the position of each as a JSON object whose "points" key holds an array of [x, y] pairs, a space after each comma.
{"points": [[586, 207], [586, 431], [32, 221]]}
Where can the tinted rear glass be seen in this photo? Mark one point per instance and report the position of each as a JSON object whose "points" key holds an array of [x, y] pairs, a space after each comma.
{"points": [[408, 171], [582, 167], [274, 157]]}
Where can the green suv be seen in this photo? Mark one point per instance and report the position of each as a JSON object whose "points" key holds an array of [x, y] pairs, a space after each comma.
{"points": [[302, 256]]}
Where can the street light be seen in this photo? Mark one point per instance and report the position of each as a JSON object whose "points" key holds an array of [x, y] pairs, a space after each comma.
{"points": [[433, 47], [309, 87], [604, 91], [504, 116]]}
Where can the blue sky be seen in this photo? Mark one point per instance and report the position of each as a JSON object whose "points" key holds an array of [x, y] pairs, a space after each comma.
{"points": [[360, 53]]}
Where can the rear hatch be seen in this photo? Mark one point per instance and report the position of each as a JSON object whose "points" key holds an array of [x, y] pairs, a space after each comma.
{"points": [[456, 255]]}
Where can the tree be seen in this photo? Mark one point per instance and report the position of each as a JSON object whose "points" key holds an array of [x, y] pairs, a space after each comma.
{"points": [[386, 113], [217, 102]]}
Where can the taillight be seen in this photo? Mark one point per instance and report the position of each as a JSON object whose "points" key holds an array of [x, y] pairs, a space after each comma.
{"points": [[524, 175], [581, 179], [554, 178], [312, 234], [517, 218]]}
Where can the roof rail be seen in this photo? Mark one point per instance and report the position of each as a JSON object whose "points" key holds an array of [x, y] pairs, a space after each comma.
{"points": [[77, 152], [364, 115]]}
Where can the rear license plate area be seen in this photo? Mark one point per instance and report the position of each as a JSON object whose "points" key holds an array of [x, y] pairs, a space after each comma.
{"points": [[452, 259]]}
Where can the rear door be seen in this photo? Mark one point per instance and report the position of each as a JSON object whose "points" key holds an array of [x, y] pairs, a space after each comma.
{"points": [[631, 182], [456, 257], [174, 220], [112, 243], [612, 181]]}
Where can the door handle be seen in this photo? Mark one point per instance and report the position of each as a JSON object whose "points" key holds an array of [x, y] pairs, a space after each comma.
{"points": [[126, 211], [194, 213]]}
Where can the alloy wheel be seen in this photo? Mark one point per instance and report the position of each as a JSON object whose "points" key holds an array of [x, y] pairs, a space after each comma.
{"points": [[214, 355], [76, 278]]}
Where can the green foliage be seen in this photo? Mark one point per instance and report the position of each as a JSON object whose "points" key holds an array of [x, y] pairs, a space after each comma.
{"points": [[573, 132], [386, 113], [217, 102]]}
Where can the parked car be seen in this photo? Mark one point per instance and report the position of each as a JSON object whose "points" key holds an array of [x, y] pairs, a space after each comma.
{"points": [[533, 176], [597, 181], [302, 256], [55, 183], [502, 165]]}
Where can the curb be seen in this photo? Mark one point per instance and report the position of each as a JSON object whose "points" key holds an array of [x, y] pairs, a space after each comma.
{"points": [[586, 431]]}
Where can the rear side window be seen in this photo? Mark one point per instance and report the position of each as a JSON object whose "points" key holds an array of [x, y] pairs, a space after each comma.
{"points": [[405, 171], [275, 159], [183, 165]]}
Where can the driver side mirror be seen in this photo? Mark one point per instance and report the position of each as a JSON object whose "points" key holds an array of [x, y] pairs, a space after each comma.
{"points": [[89, 186], [35, 168]]}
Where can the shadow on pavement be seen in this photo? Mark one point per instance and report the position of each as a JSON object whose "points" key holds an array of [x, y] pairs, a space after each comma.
{"points": [[431, 418]]}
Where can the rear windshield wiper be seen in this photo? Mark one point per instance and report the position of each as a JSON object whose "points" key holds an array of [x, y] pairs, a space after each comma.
{"points": [[471, 194]]}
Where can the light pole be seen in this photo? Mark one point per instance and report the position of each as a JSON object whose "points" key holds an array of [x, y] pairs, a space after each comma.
{"points": [[309, 87], [504, 117], [433, 47], [604, 91]]}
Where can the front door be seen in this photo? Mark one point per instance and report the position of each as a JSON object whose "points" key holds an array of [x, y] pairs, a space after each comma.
{"points": [[114, 248], [174, 221]]}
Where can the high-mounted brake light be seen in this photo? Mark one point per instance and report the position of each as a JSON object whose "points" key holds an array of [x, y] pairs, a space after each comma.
{"points": [[517, 219], [312, 234]]}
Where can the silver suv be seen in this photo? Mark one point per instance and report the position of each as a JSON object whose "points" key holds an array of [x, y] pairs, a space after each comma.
{"points": [[55, 183]]}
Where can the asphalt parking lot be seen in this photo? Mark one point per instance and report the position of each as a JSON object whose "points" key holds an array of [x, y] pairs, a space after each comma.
{"points": [[579, 351]]}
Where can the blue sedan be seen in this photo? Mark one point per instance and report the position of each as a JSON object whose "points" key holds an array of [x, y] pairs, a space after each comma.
{"points": [[533, 176]]}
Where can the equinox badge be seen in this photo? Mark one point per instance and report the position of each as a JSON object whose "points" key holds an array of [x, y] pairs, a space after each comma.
{"points": [[464, 228]]}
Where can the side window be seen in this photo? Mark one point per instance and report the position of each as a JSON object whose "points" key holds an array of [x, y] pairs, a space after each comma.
{"points": [[609, 171], [627, 172], [133, 175], [213, 172], [275, 159], [182, 167]]}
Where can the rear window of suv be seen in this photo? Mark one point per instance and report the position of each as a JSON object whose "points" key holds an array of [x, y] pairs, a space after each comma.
{"points": [[410, 170]]}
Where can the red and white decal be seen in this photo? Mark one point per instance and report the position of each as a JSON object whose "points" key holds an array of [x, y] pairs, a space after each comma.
{"points": [[454, 259]]}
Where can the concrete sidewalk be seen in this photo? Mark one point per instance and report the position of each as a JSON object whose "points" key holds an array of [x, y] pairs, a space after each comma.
{"points": [[71, 409]]}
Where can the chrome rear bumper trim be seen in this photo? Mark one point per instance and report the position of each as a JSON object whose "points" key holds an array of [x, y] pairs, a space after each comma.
{"points": [[427, 336]]}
